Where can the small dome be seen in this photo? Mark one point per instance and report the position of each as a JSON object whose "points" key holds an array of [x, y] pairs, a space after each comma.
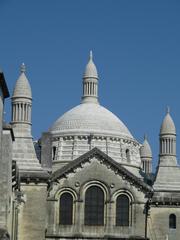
{"points": [[168, 126], [90, 70], [90, 118], [145, 150], [22, 87]]}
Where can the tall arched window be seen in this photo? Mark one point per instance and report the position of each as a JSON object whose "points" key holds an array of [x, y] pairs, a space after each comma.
{"points": [[94, 206], [122, 210], [172, 221], [66, 209]]}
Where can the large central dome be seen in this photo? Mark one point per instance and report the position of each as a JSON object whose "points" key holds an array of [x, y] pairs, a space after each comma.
{"points": [[90, 118], [90, 125]]}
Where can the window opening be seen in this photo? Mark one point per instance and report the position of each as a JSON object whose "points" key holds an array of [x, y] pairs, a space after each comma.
{"points": [[122, 210], [66, 209], [94, 206], [172, 221]]}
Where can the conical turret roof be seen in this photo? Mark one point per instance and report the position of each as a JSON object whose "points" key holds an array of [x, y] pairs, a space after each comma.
{"points": [[90, 70], [145, 150], [168, 126], [22, 87]]}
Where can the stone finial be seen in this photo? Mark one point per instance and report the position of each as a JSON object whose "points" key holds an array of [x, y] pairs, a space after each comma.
{"points": [[23, 68], [145, 136], [91, 55], [167, 109]]}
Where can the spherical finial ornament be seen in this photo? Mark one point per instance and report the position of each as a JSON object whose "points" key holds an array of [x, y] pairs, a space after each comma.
{"points": [[23, 68]]}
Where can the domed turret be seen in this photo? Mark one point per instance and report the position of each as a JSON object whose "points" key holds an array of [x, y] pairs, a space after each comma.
{"points": [[22, 87], [167, 174], [145, 149], [90, 82], [168, 126], [23, 148], [168, 141], [22, 100], [90, 70], [146, 156]]}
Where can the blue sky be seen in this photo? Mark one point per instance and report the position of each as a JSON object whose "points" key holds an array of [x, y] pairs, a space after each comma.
{"points": [[136, 47]]}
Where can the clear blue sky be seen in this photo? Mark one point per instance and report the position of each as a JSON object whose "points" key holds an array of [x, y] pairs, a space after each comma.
{"points": [[136, 46]]}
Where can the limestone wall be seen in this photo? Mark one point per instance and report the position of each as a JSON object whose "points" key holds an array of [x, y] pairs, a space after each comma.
{"points": [[100, 174], [7, 176], [2, 207], [158, 223], [32, 215]]}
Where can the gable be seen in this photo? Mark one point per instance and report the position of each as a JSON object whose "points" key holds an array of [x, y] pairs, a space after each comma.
{"points": [[97, 165]]}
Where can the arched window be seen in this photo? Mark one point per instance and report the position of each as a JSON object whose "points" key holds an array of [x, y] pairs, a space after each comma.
{"points": [[122, 210], [172, 221], [128, 155], [94, 206], [53, 152], [66, 209]]}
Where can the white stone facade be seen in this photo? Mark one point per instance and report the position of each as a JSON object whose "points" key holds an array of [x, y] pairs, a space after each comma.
{"points": [[67, 148]]}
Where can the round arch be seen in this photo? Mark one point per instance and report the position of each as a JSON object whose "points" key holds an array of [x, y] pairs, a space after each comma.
{"points": [[65, 206], [94, 194], [123, 208]]}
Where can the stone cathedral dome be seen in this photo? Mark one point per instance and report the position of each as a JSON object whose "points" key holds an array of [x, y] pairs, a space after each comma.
{"points": [[91, 125], [90, 118]]}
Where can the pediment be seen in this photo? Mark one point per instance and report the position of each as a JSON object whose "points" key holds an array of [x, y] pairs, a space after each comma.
{"points": [[100, 156]]}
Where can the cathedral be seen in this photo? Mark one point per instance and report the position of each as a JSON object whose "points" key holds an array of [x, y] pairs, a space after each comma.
{"points": [[87, 177]]}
